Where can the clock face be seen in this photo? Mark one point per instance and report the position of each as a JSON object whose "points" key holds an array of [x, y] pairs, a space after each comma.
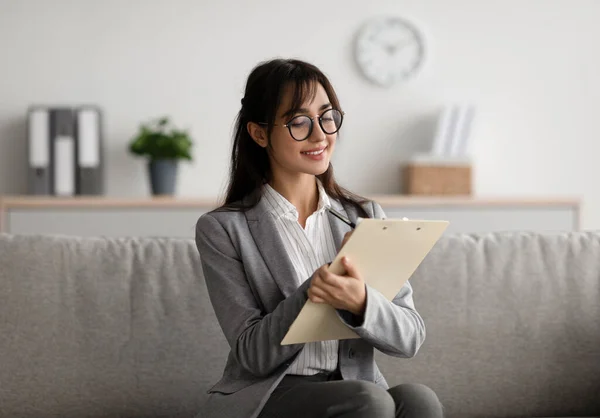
{"points": [[389, 50]]}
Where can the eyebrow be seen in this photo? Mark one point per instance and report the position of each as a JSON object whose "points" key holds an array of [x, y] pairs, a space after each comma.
{"points": [[305, 110]]}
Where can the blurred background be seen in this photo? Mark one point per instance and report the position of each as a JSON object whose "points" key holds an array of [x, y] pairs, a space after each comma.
{"points": [[530, 69]]}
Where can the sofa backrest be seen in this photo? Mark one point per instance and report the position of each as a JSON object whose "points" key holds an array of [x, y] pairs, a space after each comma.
{"points": [[513, 325], [101, 327], [124, 327]]}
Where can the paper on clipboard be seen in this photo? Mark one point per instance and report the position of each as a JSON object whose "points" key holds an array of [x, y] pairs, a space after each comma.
{"points": [[386, 252]]}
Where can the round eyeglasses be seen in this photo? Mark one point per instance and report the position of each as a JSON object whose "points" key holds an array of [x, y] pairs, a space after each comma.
{"points": [[301, 126]]}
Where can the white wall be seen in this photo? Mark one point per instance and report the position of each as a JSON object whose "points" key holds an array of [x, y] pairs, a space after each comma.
{"points": [[532, 67]]}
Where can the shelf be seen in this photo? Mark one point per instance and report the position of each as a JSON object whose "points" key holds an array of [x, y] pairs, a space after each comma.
{"points": [[13, 202], [176, 216]]}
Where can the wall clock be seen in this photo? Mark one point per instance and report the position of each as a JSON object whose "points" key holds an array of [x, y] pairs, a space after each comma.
{"points": [[389, 50]]}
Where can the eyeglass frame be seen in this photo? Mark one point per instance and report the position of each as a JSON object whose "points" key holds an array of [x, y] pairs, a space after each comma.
{"points": [[312, 124]]}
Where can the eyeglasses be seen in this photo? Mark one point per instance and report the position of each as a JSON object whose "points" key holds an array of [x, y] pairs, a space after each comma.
{"points": [[301, 126]]}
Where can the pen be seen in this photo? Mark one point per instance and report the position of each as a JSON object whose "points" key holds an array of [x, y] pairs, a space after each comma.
{"points": [[341, 217]]}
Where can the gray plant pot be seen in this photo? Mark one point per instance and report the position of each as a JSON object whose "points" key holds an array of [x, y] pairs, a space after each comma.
{"points": [[163, 176]]}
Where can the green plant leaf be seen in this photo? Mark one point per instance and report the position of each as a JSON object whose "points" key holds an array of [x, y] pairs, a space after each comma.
{"points": [[155, 140]]}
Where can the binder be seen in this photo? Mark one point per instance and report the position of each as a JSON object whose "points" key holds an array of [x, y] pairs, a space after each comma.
{"points": [[443, 131], [62, 151], [462, 131], [38, 151], [386, 252], [89, 172]]}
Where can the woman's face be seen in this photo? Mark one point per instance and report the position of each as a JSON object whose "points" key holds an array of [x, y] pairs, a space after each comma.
{"points": [[290, 157]]}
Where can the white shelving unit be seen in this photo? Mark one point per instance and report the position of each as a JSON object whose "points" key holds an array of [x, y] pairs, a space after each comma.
{"points": [[176, 217]]}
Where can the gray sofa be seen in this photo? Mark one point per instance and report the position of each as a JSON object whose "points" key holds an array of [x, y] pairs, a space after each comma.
{"points": [[98, 327]]}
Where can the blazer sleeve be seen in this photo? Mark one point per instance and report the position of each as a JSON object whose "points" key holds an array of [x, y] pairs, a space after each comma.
{"points": [[393, 327], [253, 335]]}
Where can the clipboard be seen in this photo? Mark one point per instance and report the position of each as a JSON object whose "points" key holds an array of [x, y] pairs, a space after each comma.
{"points": [[386, 252]]}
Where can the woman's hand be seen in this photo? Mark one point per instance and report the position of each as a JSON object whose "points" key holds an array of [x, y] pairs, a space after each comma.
{"points": [[342, 292]]}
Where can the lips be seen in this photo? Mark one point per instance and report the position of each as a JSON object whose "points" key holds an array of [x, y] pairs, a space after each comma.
{"points": [[315, 151]]}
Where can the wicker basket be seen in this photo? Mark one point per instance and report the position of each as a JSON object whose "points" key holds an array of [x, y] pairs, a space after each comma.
{"points": [[438, 179]]}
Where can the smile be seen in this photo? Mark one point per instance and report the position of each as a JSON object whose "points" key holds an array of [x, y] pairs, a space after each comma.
{"points": [[316, 152]]}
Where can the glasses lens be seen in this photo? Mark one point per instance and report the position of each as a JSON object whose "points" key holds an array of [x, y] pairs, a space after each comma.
{"points": [[331, 121], [300, 127]]}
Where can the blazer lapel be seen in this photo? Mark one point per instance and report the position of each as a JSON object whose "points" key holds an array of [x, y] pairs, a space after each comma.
{"points": [[269, 243], [271, 247]]}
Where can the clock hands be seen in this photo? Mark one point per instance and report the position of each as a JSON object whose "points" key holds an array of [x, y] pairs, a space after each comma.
{"points": [[392, 48]]}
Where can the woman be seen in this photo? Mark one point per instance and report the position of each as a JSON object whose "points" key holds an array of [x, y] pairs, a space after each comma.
{"points": [[266, 251]]}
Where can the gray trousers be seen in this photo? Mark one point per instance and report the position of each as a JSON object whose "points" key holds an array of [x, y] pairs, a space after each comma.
{"points": [[326, 395]]}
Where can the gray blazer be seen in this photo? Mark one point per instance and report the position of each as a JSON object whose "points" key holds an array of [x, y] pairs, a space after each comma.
{"points": [[249, 278]]}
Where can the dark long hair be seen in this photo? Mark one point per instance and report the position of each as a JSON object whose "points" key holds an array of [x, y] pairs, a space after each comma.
{"points": [[250, 168]]}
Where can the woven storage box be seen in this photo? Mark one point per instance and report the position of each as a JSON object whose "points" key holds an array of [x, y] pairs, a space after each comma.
{"points": [[437, 179]]}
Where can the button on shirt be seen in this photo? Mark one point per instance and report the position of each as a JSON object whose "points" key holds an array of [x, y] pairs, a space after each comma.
{"points": [[308, 248]]}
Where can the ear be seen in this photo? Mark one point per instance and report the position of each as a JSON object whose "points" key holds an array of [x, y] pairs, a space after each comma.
{"points": [[258, 134]]}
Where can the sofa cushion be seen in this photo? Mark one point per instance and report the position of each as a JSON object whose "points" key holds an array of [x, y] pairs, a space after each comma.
{"points": [[513, 325], [98, 327], [102, 327]]}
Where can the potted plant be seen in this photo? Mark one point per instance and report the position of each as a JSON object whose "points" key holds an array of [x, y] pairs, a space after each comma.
{"points": [[163, 145]]}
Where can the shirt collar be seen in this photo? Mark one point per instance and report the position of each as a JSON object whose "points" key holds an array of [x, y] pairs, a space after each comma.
{"points": [[279, 206], [324, 201]]}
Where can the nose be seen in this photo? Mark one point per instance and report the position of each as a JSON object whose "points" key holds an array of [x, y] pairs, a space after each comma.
{"points": [[317, 134]]}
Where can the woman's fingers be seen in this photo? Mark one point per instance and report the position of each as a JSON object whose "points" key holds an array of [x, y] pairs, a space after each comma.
{"points": [[351, 269], [313, 295], [342, 292]]}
